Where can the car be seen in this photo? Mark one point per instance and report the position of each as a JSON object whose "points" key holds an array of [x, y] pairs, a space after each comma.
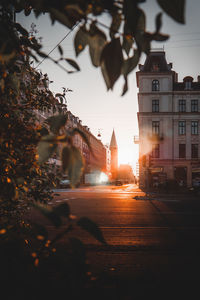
{"points": [[64, 183], [118, 182]]}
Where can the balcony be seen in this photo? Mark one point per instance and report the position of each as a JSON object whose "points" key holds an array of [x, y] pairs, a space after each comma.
{"points": [[155, 138], [136, 139]]}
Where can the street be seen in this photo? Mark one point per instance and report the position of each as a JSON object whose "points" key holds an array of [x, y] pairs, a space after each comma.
{"points": [[153, 240]]}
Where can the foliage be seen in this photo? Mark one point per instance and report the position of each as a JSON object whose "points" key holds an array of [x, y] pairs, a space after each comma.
{"points": [[116, 51], [27, 253], [38, 265]]}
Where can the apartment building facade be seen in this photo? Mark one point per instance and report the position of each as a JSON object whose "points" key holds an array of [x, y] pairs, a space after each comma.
{"points": [[169, 124], [98, 159]]}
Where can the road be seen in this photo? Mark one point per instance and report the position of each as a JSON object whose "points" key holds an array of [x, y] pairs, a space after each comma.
{"points": [[153, 240]]}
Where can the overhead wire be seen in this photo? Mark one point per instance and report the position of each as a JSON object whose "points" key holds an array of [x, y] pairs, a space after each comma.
{"points": [[57, 45]]}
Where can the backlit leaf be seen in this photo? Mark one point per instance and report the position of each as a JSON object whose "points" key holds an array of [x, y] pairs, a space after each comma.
{"points": [[116, 22], [111, 62], [45, 150], [174, 8], [127, 43], [97, 41], [65, 158], [125, 88], [130, 63], [91, 227], [72, 164], [80, 40]]}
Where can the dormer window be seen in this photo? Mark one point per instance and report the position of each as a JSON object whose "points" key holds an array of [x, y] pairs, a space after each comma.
{"points": [[155, 85], [155, 67], [188, 85], [188, 82]]}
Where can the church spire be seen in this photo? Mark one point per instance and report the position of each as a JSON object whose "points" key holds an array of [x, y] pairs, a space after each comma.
{"points": [[113, 142], [114, 156]]}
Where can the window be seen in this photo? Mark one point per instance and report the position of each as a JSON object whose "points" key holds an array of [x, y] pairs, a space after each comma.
{"points": [[194, 150], [155, 85], [155, 105], [155, 127], [194, 127], [156, 151], [181, 127], [182, 151], [188, 85], [194, 105], [155, 67], [182, 105]]}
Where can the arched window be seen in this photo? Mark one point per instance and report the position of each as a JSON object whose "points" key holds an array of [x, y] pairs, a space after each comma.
{"points": [[155, 85]]}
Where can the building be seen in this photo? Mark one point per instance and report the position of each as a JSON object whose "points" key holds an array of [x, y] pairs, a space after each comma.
{"points": [[169, 120], [95, 162], [114, 156]]}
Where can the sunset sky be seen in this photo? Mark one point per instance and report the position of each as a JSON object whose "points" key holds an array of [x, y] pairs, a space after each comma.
{"points": [[101, 110]]}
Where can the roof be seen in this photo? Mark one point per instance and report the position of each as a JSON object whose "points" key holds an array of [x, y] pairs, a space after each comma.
{"points": [[113, 141], [156, 62]]}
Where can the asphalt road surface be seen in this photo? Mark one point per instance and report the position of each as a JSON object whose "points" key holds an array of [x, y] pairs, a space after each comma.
{"points": [[153, 240]]}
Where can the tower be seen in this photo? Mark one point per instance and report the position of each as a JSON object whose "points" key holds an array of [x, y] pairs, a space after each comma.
{"points": [[114, 155]]}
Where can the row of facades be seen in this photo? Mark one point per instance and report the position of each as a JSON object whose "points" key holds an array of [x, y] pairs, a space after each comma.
{"points": [[169, 124]]}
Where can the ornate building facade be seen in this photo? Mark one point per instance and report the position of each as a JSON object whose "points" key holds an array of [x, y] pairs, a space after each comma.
{"points": [[169, 124]]}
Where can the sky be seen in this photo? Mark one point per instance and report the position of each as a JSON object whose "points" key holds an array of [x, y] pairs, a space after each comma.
{"points": [[102, 110]]}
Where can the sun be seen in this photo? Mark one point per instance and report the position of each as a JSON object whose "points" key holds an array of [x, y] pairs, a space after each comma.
{"points": [[128, 154]]}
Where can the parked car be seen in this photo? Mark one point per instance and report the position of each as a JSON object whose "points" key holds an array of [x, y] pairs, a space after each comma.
{"points": [[64, 183], [118, 182]]}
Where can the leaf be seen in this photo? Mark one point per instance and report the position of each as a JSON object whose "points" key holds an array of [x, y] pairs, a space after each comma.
{"points": [[130, 63], [60, 50], [174, 8], [80, 40], [91, 227], [144, 42], [111, 62], [116, 22], [72, 164], [21, 29], [73, 63], [61, 17], [78, 249], [48, 213], [62, 210], [158, 22], [65, 158], [56, 122], [135, 21], [42, 54], [160, 37], [127, 43], [125, 88], [97, 41], [45, 150], [75, 166]]}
